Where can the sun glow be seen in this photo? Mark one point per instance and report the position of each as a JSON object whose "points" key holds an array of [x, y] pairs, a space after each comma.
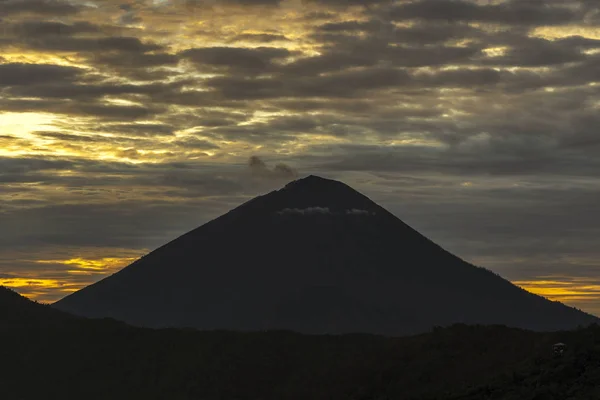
{"points": [[21, 124]]}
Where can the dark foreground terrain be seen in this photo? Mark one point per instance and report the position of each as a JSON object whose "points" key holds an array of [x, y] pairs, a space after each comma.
{"points": [[46, 354]]}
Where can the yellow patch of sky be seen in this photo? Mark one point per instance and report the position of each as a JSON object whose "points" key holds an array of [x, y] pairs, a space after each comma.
{"points": [[104, 264], [412, 141], [121, 102], [36, 57], [20, 125], [559, 290], [50, 147], [27, 282], [52, 289], [548, 32], [590, 52], [496, 51], [41, 289]]}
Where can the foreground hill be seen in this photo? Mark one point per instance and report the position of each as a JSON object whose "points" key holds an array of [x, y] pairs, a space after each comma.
{"points": [[17, 311], [313, 257], [104, 359]]}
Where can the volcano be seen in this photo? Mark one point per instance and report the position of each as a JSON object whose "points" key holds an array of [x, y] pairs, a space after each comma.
{"points": [[314, 257]]}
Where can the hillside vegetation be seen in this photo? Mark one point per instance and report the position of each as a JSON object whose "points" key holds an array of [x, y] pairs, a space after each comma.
{"points": [[72, 358]]}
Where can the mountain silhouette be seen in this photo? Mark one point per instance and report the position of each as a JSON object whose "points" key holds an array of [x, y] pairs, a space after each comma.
{"points": [[314, 257], [17, 311]]}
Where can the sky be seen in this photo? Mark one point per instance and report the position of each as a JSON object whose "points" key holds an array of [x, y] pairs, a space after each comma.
{"points": [[124, 124]]}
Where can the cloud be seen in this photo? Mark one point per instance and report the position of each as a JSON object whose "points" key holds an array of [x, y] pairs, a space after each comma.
{"points": [[39, 29], [322, 211], [355, 211], [305, 211], [260, 59], [346, 3], [204, 3], [90, 109], [69, 137], [537, 53], [139, 129], [135, 117], [513, 12], [281, 171], [40, 7], [21, 74], [260, 38], [91, 45], [195, 143]]}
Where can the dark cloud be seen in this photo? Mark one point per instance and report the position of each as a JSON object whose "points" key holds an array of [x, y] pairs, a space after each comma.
{"points": [[580, 42], [19, 74], [513, 12], [70, 137], [138, 129], [256, 163], [332, 86], [127, 55], [196, 144], [346, 3], [260, 38], [539, 52], [24, 165], [285, 170], [351, 26], [206, 118], [583, 73], [39, 29], [382, 31], [500, 157], [90, 45], [113, 111], [434, 33], [40, 7], [85, 37], [259, 59], [85, 109], [435, 56], [464, 77], [209, 3], [328, 62], [65, 89], [280, 171], [134, 61], [129, 15]]}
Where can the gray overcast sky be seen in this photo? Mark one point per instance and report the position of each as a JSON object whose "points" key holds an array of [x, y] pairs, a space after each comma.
{"points": [[124, 124]]}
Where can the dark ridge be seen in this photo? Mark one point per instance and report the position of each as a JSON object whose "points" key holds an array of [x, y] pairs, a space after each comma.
{"points": [[99, 359], [17, 310]]}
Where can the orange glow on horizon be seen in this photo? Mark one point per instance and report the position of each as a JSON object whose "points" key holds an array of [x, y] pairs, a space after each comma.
{"points": [[568, 291], [102, 264], [66, 275]]}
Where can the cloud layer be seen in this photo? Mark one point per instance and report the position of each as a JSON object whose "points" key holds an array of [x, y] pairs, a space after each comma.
{"points": [[123, 126]]}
